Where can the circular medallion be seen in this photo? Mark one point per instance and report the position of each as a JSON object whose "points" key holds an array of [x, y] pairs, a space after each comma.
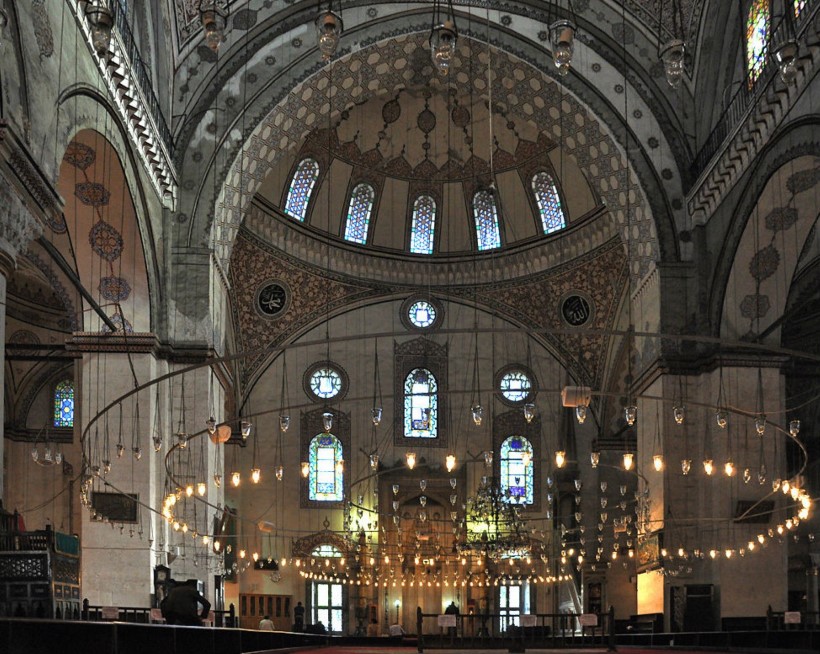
{"points": [[272, 299], [325, 381], [576, 310], [515, 384], [421, 313]]}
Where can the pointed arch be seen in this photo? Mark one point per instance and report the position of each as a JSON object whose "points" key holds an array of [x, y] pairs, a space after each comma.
{"points": [[549, 202], [485, 214], [301, 188], [358, 213], [423, 228]]}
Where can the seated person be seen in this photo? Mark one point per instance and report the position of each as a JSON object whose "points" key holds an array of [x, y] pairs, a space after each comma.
{"points": [[396, 630], [373, 628], [266, 624]]}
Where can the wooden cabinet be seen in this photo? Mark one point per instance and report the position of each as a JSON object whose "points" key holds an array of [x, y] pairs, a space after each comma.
{"points": [[253, 607]]}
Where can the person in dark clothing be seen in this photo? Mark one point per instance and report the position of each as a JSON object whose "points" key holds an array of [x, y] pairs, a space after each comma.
{"points": [[182, 606], [299, 617], [451, 610]]}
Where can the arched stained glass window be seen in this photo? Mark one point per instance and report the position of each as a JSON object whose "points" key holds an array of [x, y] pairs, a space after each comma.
{"points": [[358, 213], [326, 552], [549, 202], [799, 5], [485, 213], [757, 38], [420, 404], [422, 231], [64, 404], [516, 469], [326, 469], [301, 186]]}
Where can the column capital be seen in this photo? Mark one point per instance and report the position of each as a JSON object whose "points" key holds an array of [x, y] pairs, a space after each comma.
{"points": [[18, 227]]}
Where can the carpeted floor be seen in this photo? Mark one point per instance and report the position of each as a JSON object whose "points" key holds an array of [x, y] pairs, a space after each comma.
{"points": [[409, 650]]}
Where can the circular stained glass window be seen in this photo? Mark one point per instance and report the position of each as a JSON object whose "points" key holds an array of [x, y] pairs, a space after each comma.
{"points": [[422, 314], [515, 385], [325, 382]]}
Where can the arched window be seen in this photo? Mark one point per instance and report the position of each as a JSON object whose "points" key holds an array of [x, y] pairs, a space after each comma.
{"points": [[757, 38], [485, 213], [326, 469], [422, 231], [516, 469], [301, 186], [358, 213], [64, 404], [549, 202], [420, 404]]}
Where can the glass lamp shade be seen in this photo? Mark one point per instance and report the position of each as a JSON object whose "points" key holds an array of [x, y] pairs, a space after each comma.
{"points": [[679, 413], [279, 472], [685, 466], [329, 28], [729, 468], [376, 415], [121, 449], [284, 422], [212, 18], [629, 460], [747, 475], [101, 21], [217, 480], [256, 475], [157, 443], [760, 424], [477, 412], [327, 420], [708, 466], [245, 429], [672, 57], [562, 36], [443, 40], [210, 423], [410, 458], [657, 462], [630, 414], [594, 458], [529, 412], [785, 55], [450, 462], [560, 458], [201, 488], [305, 469], [182, 440], [488, 458], [581, 413], [236, 478], [374, 461], [761, 475], [721, 418], [137, 452], [794, 428]]}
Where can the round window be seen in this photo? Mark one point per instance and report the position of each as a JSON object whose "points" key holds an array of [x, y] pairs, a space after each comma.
{"points": [[325, 381], [421, 313], [515, 385]]}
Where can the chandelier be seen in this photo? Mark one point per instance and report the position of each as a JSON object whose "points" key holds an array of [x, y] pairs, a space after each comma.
{"points": [[494, 527]]}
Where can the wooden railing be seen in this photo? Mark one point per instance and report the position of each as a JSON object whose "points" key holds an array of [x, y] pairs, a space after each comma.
{"points": [[142, 615]]}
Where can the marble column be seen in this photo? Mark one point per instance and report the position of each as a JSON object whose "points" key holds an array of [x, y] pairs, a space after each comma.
{"points": [[17, 228]]}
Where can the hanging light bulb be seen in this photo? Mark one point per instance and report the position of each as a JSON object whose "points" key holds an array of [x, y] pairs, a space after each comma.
{"points": [[256, 475], [760, 424], [443, 40], [305, 469], [529, 412], [245, 429], [560, 458], [212, 18], [376, 415], [629, 459], [236, 478], [721, 418], [672, 57], [657, 462], [101, 21], [201, 488], [189, 490], [630, 414], [450, 462], [679, 413], [794, 428], [785, 55], [708, 466], [477, 411], [329, 29], [581, 413], [562, 37], [327, 421], [410, 458], [595, 458], [284, 422], [729, 468]]}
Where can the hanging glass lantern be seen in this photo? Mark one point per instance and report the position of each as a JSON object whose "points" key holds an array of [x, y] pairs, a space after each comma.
{"points": [[630, 414], [217, 480], [657, 462], [305, 469], [747, 475], [329, 29], [201, 488], [137, 451], [672, 57], [526, 457], [284, 422], [189, 490], [210, 424], [157, 443], [794, 428], [423, 485], [785, 55], [450, 462], [679, 413], [106, 465], [245, 429], [376, 415], [685, 466], [760, 424], [761, 474], [374, 461], [395, 489], [488, 458], [729, 468], [477, 411], [562, 37], [236, 478], [560, 458], [581, 413], [256, 475], [529, 412], [629, 459], [120, 450], [708, 466], [212, 18], [327, 421], [595, 458], [410, 458], [443, 41], [182, 439], [101, 21], [721, 418]]}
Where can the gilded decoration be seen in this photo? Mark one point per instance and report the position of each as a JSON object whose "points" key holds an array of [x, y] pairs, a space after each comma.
{"points": [[304, 546]]}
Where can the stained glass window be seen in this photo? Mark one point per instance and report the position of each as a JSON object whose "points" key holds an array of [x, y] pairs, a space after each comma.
{"points": [[326, 552], [325, 383], [420, 404], [515, 385], [358, 213], [301, 186], [422, 314], [326, 474], [549, 202], [64, 404], [757, 38], [485, 213], [423, 227], [799, 5], [516, 469]]}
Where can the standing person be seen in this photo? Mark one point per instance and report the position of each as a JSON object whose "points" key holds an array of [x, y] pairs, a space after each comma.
{"points": [[181, 605], [299, 617], [266, 624], [452, 610]]}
